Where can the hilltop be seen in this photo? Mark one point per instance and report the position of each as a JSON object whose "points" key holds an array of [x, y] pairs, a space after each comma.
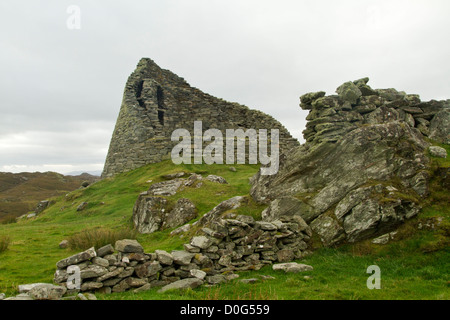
{"points": [[20, 193]]}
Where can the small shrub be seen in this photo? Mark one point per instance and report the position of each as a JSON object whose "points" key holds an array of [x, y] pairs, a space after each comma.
{"points": [[4, 243], [98, 237]]}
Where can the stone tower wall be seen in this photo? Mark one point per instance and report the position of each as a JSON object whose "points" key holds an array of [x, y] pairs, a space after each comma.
{"points": [[156, 102]]}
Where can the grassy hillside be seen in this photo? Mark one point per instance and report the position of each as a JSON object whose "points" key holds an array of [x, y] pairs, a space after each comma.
{"points": [[21, 192], [413, 266]]}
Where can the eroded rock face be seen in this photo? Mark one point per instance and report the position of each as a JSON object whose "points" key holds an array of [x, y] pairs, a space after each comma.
{"points": [[363, 166]]}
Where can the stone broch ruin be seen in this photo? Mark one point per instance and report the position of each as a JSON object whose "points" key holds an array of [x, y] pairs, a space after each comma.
{"points": [[156, 102]]}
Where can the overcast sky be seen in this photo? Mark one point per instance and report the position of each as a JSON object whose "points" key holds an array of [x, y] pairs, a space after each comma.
{"points": [[61, 88]]}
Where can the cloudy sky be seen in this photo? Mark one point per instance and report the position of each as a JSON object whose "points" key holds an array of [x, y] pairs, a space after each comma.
{"points": [[61, 88]]}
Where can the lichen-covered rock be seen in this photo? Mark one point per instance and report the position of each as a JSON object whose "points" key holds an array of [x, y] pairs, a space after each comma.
{"points": [[188, 283], [440, 126], [47, 291], [151, 213], [355, 139], [349, 92], [128, 246], [77, 258], [292, 267], [436, 151]]}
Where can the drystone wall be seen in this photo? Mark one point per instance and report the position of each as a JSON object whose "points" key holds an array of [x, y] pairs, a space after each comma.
{"points": [[331, 117], [211, 257], [156, 102]]}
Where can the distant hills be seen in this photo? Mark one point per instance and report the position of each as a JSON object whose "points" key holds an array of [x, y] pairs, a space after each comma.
{"points": [[21, 192]]}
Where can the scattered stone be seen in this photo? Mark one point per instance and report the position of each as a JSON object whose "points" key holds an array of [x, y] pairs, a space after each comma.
{"points": [[188, 283], [247, 281], [165, 188], [292, 267], [82, 206], [174, 175], [47, 291], [217, 179], [63, 244]]}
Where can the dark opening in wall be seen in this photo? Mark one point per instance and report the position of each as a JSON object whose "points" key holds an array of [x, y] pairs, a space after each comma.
{"points": [[160, 100], [161, 117], [139, 94]]}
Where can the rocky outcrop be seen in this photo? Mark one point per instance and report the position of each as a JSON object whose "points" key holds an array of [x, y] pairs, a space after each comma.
{"points": [[156, 102], [364, 167]]}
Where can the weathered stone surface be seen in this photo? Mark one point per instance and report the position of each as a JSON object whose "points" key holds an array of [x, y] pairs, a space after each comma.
{"points": [[82, 206], [329, 230], [93, 271], [182, 257], [164, 257], [77, 258], [349, 92], [105, 250], [165, 188], [156, 102], [47, 292], [217, 179], [188, 283], [64, 244], [215, 213], [349, 147], [436, 151], [183, 212], [292, 267], [440, 126], [91, 285], [128, 246], [199, 274], [149, 213], [201, 242]]}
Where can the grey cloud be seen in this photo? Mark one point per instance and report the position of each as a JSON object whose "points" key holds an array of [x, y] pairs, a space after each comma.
{"points": [[62, 85]]}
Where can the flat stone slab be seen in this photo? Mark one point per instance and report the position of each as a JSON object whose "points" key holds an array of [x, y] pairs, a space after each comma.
{"points": [[187, 283], [292, 267]]}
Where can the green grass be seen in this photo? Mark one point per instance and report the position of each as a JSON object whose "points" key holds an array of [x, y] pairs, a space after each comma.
{"points": [[413, 266]]}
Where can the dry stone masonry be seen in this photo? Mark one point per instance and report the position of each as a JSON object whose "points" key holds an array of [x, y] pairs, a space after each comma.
{"points": [[156, 102], [222, 247]]}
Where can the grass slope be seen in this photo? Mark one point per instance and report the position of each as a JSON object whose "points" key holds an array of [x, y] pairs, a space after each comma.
{"points": [[413, 266]]}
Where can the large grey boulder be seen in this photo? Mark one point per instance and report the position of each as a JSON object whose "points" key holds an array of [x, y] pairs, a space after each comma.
{"points": [[152, 213], [183, 212], [149, 212]]}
